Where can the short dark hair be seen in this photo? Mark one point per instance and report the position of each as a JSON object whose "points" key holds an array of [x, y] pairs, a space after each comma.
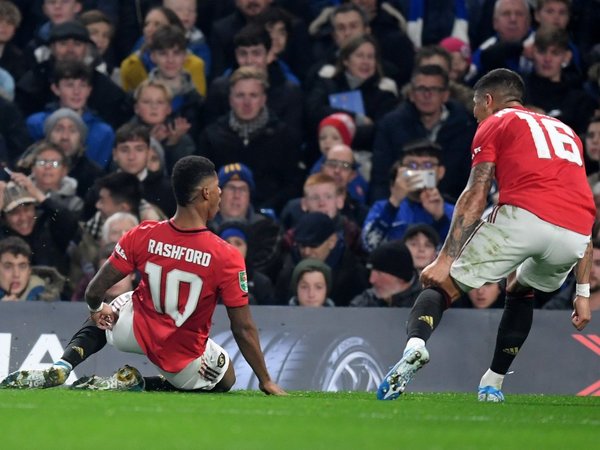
{"points": [[426, 230], [418, 147], [431, 70], [350, 7], [429, 51], [132, 132], [252, 34], [172, 18], [124, 188], [274, 14], [187, 174], [15, 246], [72, 70], [352, 45], [549, 36], [96, 16], [166, 37], [10, 13], [503, 83]]}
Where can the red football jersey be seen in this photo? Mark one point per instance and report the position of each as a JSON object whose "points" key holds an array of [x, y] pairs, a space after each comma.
{"points": [[184, 272], [539, 166]]}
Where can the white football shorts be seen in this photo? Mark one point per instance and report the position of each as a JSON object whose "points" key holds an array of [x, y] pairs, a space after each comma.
{"points": [[512, 238], [202, 373]]}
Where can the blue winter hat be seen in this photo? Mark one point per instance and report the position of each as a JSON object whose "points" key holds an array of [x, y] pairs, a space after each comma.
{"points": [[236, 171], [233, 232]]}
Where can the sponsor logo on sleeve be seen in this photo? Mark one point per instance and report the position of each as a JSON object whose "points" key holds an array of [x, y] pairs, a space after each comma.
{"points": [[243, 279], [119, 251]]}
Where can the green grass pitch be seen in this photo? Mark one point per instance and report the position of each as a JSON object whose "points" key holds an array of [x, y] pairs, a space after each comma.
{"points": [[64, 419]]}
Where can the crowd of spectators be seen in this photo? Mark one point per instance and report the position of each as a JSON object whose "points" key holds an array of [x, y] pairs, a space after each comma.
{"points": [[341, 131]]}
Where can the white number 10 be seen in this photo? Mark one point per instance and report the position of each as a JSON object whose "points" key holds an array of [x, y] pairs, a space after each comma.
{"points": [[174, 278], [563, 144]]}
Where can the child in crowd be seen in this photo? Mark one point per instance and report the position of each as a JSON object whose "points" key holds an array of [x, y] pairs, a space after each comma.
{"points": [[460, 54], [260, 288], [339, 128], [72, 85], [187, 11], [135, 68], [422, 241], [12, 58], [168, 53], [311, 283], [101, 32], [153, 108]]}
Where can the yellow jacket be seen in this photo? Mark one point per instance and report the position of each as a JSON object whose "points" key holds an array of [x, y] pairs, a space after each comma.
{"points": [[133, 72]]}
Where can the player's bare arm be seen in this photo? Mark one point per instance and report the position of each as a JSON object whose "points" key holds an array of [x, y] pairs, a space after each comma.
{"points": [[468, 209], [467, 215], [246, 336], [581, 304], [106, 277]]}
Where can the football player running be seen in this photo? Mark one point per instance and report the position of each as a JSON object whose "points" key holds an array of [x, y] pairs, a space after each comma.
{"points": [[537, 233]]}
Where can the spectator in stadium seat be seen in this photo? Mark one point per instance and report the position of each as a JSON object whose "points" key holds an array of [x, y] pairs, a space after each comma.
{"points": [[316, 237], [426, 114], [72, 85], [394, 280], [411, 201], [71, 41], [135, 68], [19, 280], [65, 128], [48, 228], [153, 109], [49, 170], [251, 134], [260, 287], [284, 96], [358, 69], [311, 284], [422, 240]]}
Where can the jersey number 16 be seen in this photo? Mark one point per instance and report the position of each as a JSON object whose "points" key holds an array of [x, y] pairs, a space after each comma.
{"points": [[562, 144]]}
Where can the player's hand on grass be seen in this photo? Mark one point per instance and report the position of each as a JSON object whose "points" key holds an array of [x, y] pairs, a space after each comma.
{"points": [[581, 315], [271, 388]]}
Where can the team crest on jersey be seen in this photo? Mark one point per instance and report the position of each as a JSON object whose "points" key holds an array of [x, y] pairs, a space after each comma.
{"points": [[243, 279], [221, 360], [119, 250]]}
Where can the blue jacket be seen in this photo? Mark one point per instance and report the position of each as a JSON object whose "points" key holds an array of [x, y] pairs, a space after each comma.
{"points": [[100, 137], [385, 222]]}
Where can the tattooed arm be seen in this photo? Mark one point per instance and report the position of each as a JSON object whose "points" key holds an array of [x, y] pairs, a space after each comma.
{"points": [[468, 209], [467, 215]]}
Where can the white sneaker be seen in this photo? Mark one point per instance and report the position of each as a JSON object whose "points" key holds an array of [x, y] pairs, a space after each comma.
{"points": [[400, 375], [490, 394], [36, 379], [127, 378]]}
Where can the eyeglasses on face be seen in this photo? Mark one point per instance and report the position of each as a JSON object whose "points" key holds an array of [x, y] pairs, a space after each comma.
{"points": [[428, 89], [337, 164], [54, 163], [423, 166]]}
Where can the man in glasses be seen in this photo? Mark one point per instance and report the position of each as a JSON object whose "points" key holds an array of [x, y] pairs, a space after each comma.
{"points": [[341, 166], [414, 197], [428, 113]]}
